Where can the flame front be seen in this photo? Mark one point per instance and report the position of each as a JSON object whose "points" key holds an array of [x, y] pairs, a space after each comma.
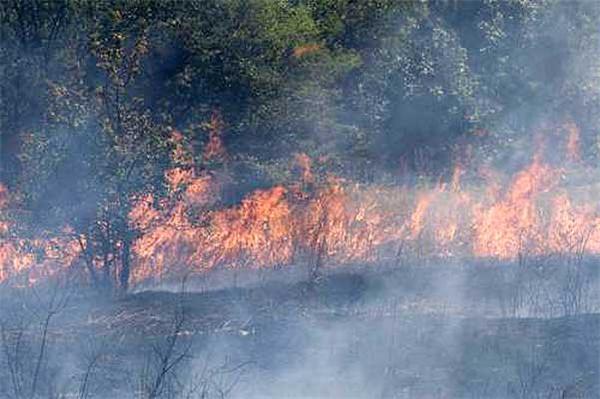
{"points": [[531, 213], [536, 211], [32, 259]]}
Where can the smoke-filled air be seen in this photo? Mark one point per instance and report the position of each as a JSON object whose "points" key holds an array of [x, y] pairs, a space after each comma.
{"points": [[299, 199]]}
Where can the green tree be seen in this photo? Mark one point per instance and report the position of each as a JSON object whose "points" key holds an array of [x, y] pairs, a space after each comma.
{"points": [[100, 145]]}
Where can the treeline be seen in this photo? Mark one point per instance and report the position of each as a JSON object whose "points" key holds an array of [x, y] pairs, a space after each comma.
{"points": [[90, 92]]}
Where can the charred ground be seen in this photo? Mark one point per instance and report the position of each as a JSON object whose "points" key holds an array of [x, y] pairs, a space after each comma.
{"points": [[428, 331]]}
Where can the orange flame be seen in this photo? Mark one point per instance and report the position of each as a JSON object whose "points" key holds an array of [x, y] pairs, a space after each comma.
{"points": [[533, 212], [512, 225], [214, 149], [32, 258], [573, 142], [348, 222]]}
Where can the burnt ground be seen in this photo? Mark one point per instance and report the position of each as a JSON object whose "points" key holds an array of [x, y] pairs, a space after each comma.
{"points": [[393, 334]]}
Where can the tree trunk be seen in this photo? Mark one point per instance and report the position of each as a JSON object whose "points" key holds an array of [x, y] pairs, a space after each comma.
{"points": [[125, 264]]}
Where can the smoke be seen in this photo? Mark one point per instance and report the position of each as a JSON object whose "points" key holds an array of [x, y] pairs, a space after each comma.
{"points": [[452, 329], [481, 283]]}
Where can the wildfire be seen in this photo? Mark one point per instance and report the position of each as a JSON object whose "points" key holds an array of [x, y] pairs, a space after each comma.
{"points": [[330, 221], [214, 149], [35, 258], [344, 222], [573, 142], [512, 224]]}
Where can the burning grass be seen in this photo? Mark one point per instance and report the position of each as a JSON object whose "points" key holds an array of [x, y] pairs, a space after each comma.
{"points": [[325, 220]]}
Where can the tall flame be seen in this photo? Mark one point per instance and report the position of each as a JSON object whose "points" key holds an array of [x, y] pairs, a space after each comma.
{"points": [[331, 221], [346, 222]]}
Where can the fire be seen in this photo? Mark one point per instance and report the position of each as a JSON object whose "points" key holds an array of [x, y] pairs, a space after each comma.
{"points": [[34, 258], [573, 142], [417, 219], [214, 149], [326, 220], [512, 224], [3, 196], [342, 222], [573, 229]]}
